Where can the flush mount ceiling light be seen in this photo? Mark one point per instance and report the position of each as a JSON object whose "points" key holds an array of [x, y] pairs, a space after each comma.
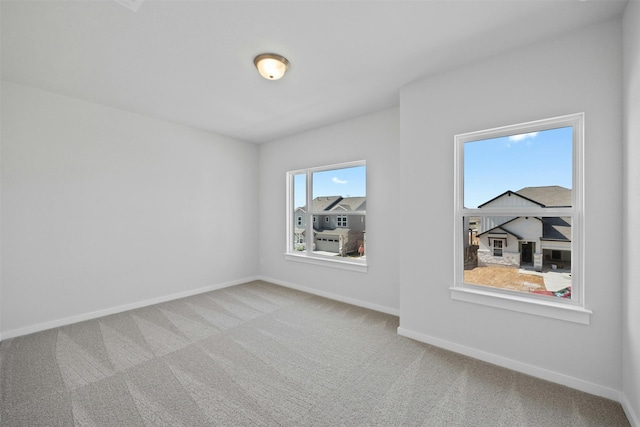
{"points": [[271, 66]]}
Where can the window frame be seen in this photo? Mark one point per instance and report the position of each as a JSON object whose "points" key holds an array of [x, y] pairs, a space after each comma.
{"points": [[573, 310], [308, 256]]}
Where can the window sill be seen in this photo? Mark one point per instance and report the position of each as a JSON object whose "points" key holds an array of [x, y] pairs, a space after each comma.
{"points": [[554, 310], [358, 266]]}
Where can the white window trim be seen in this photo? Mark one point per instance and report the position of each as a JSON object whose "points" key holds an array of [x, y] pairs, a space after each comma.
{"points": [[574, 310], [355, 265], [308, 256]]}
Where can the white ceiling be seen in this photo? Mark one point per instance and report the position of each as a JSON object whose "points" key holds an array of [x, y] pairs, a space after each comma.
{"points": [[191, 62]]}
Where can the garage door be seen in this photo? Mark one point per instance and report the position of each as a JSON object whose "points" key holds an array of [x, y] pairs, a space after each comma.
{"points": [[328, 244]]}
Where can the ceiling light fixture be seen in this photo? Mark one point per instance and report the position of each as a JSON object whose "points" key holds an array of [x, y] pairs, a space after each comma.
{"points": [[271, 66]]}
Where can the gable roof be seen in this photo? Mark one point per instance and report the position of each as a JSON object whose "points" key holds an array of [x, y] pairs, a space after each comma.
{"points": [[500, 227], [550, 196], [325, 203], [553, 228], [510, 193], [337, 204], [350, 204]]}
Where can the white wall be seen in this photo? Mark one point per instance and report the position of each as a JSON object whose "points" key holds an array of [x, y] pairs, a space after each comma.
{"points": [[374, 138], [103, 208], [631, 225], [580, 72]]}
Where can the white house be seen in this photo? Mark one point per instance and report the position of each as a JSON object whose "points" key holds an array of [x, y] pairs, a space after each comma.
{"points": [[537, 242]]}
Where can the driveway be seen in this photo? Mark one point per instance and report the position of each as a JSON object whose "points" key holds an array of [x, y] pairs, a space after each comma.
{"points": [[554, 280]]}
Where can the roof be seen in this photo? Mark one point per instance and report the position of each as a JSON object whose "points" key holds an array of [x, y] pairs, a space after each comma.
{"points": [[500, 227], [325, 203], [351, 204], [550, 196], [509, 193], [337, 204], [556, 228], [553, 228]]}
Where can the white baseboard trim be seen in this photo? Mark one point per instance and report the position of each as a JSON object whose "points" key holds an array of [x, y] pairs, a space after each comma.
{"points": [[515, 365], [634, 419], [335, 297], [113, 310]]}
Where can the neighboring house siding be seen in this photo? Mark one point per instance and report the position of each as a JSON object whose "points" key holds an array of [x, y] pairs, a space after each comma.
{"points": [[490, 222], [529, 228], [300, 218], [356, 223]]}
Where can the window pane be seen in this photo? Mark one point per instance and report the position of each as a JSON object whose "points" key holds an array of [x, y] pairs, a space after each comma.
{"points": [[329, 220], [341, 195], [526, 164], [299, 211], [339, 186], [527, 254]]}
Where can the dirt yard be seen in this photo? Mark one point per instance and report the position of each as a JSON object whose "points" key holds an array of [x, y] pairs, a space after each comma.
{"points": [[504, 277]]}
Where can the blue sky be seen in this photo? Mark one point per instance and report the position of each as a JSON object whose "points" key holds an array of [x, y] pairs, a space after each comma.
{"points": [[347, 182], [493, 166]]}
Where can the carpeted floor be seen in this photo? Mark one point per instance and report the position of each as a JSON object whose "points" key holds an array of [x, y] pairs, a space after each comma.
{"points": [[263, 355]]}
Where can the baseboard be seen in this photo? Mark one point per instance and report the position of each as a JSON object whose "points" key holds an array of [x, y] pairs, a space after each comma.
{"points": [[335, 297], [633, 417], [515, 365], [113, 310]]}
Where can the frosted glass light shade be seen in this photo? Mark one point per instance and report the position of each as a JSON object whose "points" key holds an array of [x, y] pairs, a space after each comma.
{"points": [[271, 66]]}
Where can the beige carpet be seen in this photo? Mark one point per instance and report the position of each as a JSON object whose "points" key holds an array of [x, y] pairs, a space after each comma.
{"points": [[262, 355]]}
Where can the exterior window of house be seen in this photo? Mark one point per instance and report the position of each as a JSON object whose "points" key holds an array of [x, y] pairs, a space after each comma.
{"points": [[519, 206], [338, 194], [497, 248]]}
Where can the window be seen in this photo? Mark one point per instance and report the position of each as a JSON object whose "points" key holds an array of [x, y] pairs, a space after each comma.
{"points": [[519, 208], [497, 248], [336, 193]]}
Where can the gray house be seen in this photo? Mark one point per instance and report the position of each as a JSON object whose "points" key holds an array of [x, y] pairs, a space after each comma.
{"points": [[527, 241], [338, 224]]}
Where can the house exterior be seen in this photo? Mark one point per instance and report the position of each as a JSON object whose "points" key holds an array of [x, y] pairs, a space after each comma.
{"points": [[338, 224], [538, 242]]}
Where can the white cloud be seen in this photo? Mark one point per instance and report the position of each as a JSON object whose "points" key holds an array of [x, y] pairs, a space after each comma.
{"points": [[336, 180], [522, 136]]}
